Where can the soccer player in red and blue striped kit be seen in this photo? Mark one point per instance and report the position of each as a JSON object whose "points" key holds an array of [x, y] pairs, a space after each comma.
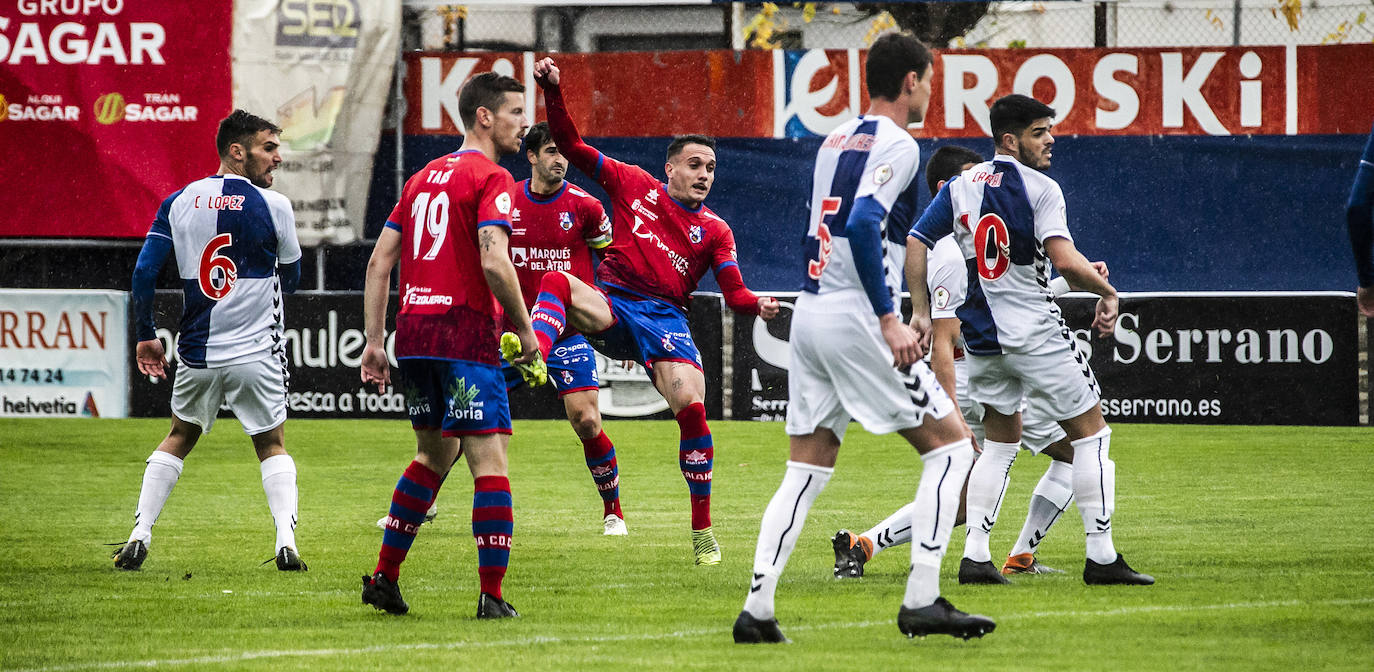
{"points": [[450, 233], [665, 241]]}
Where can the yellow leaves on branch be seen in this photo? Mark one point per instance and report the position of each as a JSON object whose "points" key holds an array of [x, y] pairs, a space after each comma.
{"points": [[1291, 10]]}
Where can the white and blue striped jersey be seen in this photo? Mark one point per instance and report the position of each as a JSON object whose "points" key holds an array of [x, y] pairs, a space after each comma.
{"points": [[228, 236], [1000, 213], [864, 181]]}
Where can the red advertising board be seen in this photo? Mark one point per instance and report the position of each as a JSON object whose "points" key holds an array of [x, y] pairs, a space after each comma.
{"points": [[1115, 92], [106, 108]]}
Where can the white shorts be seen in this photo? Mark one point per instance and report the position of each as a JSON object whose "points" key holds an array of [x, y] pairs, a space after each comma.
{"points": [[1038, 432], [1054, 378], [841, 369], [255, 392]]}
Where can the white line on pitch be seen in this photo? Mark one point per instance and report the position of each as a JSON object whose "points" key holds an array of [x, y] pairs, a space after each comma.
{"points": [[681, 634]]}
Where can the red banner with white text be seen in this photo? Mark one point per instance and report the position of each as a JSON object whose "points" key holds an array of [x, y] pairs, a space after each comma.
{"points": [[1115, 92], [106, 108]]}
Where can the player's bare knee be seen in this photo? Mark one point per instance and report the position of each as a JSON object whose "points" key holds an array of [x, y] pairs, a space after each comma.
{"points": [[586, 423]]}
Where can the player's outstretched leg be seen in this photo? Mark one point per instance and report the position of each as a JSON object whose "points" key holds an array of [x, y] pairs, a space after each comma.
{"points": [[414, 494], [923, 611], [279, 483], [778, 533], [1094, 486], [159, 478], [1051, 496], [493, 525], [599, 453], [696, 457], [987, 485]]}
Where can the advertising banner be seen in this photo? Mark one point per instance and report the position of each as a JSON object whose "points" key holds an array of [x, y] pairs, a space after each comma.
{"points": [[63, 353], [1223, 91], [324, 341], [322, 70], [1240, 359], [112, 105]]}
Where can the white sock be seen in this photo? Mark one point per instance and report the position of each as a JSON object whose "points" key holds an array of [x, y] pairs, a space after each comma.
{"points": [[779, 531], [158, 480], [895, 530], [1094, 486], [987, 484], [1048, 501], [279, 482], [943, 471]]}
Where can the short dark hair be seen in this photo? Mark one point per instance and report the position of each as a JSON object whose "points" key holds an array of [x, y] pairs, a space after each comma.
{"points": [[537, 136], [947, 162], [675, 147], [889, 59], [240, 127], [485, 90], [1013, 113]]}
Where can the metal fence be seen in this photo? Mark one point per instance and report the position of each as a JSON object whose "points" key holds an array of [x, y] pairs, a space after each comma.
{"points": [[562, 26]]}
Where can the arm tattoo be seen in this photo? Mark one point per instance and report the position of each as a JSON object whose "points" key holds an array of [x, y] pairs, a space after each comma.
{"points": [[486, 239]]}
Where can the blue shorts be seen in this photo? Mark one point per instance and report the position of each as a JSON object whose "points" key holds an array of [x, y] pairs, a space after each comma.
{"points": [[572, 367], [646, 331], [456, 396]]}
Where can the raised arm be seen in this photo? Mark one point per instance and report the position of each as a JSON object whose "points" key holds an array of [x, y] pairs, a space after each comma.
{"points": [[565, 135]]}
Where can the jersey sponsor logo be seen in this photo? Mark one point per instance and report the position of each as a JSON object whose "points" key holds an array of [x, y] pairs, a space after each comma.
{"points": [[503, 203], [565, 220], [882, 174], [652, 196], [515, 219], [421, 296], [695, 234], [639, 207], [678, 261]]}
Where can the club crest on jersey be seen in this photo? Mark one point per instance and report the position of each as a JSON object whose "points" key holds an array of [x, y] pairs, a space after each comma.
{"points": [[695, 234], [667, 344], [940, 297], [565, 220], [567, 377]]}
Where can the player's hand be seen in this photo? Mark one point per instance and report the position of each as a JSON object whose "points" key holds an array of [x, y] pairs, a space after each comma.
{"points": [[921, 324], [1364, 299], [1101, 268], [768, 307], [152, 358], [546, 73], [905, 345], [627, 364], [374, 367], [529, 346], [1104, 317]]}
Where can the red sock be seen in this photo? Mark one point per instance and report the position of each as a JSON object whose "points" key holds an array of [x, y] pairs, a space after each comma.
{"points": [[600, 456], [413, 496], [696, 457], [493, 525], [549, 314]]}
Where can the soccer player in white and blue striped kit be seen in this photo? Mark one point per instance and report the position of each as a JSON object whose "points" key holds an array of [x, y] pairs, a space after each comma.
{"points": [[852, 356], [236, 252], [1009, 220]]}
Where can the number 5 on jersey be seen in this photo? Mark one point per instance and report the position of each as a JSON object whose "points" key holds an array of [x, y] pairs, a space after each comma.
{"points": [[815, 267], [217, 272]]}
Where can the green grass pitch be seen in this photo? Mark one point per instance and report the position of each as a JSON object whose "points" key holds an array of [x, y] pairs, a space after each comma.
{"points": [[1260, 538]]}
